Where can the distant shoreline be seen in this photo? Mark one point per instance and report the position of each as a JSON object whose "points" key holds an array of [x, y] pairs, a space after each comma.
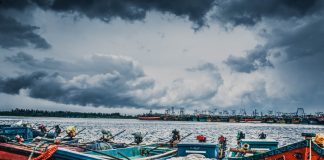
{"points": [[63, 114], [3, 116]]}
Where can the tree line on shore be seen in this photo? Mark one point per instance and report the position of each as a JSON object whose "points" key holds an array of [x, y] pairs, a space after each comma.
{"points": [[66, 114]]}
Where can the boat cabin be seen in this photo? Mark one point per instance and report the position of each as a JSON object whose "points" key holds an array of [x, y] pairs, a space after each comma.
{"points": [[259, 144], [12, 132], [209, 150], [250, 147]]}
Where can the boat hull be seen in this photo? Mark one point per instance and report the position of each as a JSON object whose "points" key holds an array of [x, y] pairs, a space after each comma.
{"points": [[15, 152], [149, 118], [4, 155], [139, 152], [297, 151], [21, 152]]}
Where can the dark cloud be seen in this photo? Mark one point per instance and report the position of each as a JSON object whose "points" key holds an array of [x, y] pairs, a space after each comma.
{"points": [[242, 12], [291, 28], [16, 34], [134, 9], [298, 40], [27, 61], [13, 85], [129, 10], [114, 87], [122, 84], [255, 59], [293, 48], [92, 65], [287, 41], [17, 5]]}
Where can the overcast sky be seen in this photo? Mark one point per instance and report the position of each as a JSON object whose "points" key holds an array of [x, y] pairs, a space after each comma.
{"points": [[135, 55]]}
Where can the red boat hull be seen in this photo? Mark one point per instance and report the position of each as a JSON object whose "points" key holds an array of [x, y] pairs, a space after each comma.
{"points": [[11, 156], [298, 154], [149, 118], [297, 151], [15, 152]]}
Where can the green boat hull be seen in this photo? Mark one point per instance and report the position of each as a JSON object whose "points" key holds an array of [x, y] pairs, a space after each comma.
{"points": [[139, 152]]}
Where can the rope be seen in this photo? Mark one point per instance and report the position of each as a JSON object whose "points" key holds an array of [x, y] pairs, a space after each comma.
{"points": [[48, 153], [34, 149]]}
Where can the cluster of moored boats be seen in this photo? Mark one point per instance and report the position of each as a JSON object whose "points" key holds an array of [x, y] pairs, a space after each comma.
{"points": [[23, 141]]}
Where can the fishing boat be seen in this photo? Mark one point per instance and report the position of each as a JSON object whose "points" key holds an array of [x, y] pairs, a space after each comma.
{"points": [[250, 120], [201, 118], [201, 149], [306, 149], [27, 146], [144, 152], [149, 118], [15, 151], [250, 147], [208, 150], [10, 133]]}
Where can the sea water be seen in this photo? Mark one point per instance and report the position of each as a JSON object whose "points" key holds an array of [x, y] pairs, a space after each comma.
{"points": [[160, 131]]}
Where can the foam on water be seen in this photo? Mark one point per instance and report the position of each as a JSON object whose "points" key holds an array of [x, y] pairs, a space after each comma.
{"points": [[284, 133]]}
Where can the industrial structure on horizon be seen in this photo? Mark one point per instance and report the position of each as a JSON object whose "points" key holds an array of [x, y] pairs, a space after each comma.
{"points": [[216, 115]]}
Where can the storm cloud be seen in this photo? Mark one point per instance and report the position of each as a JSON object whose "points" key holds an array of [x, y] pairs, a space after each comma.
{"points": [[16, 34], [283, 67], [134, 9], [110, 81], [254, 60], [112, 88], [249, 13], [291, 30], [128, 10], [293, 53], [91, 65]]}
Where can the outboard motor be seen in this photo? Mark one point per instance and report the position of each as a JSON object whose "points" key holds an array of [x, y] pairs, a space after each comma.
{"points": [[262, 136], [42, 128], [240, 135], [138, 137], [106, 135], [58, 130], [175, 138], [175, 135], [222, 141]]}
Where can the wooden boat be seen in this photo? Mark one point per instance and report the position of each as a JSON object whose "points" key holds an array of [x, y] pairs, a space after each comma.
{"points": [[303, 150], [15, 152], [144, 152], [208, 150], [250, 120], [149, 118], [9, 151], [250, 147], [11, 132], [21, 151]]}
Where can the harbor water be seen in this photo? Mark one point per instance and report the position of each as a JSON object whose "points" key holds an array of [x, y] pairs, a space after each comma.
{"points": [[160, 131]]}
